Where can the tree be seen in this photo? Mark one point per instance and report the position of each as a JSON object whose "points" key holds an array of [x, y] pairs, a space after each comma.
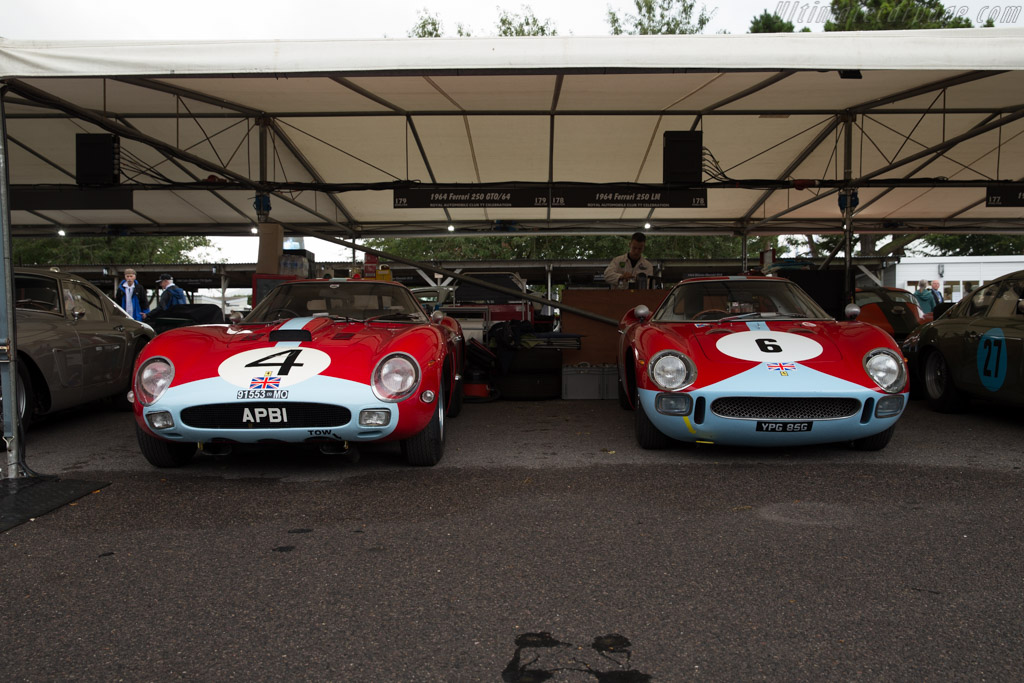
{"points": [[430, 26], [46, 251], [973, 245], [770, 23], [525, 24], [892, 15], [659, 17]]}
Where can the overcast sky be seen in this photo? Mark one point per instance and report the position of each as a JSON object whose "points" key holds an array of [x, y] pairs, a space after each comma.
{"points": [[296, 19]]}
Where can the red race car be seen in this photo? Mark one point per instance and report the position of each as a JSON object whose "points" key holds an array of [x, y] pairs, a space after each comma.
{"points": [[321, 362], [754, 361]]}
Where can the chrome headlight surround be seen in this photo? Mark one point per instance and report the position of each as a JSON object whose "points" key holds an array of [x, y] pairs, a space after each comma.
{"points": [[152, 379], [885, 367], [672, 370], [395, 377]]}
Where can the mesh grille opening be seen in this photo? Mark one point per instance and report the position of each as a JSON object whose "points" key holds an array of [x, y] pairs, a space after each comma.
{"points": [[788, 408]]}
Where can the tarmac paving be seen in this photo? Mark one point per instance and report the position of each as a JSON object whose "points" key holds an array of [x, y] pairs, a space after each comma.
{"points": [[546, 545]]}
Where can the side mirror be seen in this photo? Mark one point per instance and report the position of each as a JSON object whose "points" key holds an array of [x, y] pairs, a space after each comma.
{"points": [[851, 311], [234, 317], [77, 313], [436, 317], [642, 313], [1020, 305]]}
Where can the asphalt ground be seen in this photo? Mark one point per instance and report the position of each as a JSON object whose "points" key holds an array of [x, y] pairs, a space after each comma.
{"points": [[545, 546]]}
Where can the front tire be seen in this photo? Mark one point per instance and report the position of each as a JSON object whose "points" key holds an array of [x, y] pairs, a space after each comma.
{"points": [[162, 453], [648, 436], [875, 442], [24, 405], [427, 448], [942, 394]]}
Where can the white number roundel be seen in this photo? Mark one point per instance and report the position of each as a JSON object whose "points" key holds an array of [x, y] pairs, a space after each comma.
{"points": [[275, 367], [766, 345]]}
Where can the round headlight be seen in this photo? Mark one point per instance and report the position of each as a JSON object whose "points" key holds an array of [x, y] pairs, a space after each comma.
{"points": [[152, 380], [886, 368], [395, 377], [671, 370]]}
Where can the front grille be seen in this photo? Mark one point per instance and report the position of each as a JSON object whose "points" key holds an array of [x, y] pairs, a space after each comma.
{"points": [[773, 408], [294, 415]]}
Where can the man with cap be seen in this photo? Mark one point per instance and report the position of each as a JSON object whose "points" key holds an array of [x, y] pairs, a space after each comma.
{"points": [[131, 296], [171, 294]]}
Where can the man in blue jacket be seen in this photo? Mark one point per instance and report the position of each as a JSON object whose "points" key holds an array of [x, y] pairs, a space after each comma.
{"points": [[131, 296]]}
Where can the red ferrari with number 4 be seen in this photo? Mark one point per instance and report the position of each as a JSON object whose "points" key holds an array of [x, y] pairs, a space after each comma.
{"points": [[329, 363]]}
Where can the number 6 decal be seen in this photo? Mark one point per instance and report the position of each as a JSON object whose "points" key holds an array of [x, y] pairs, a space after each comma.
{"points": [[757, 347], [768, 346]]}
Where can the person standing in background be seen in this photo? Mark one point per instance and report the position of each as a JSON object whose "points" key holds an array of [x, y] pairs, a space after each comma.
{"points": [[937, 291], [924, 296], [624, 270], [131, 296]]}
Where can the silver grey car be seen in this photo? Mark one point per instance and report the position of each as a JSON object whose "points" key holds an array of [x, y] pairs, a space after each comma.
{"points": [[75, 345]]}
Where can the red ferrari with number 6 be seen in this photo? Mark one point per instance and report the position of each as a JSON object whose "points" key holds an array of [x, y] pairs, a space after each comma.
{"points": [[329, 363], [754, 361]]}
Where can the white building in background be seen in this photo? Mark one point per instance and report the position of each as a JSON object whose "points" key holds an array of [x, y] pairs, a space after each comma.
{"points": [[958, 274]]}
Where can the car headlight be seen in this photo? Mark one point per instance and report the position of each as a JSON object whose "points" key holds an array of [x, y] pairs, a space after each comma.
{"points": [[395, 377], [672, 370], [886, 368], [152, 380]]}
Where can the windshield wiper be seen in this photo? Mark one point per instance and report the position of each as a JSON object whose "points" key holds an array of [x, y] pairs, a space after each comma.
{"points": [[393, 316]]}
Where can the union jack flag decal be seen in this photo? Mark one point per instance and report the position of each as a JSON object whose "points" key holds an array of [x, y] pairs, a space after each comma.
{"points": [[781, 366], [267, 382]]}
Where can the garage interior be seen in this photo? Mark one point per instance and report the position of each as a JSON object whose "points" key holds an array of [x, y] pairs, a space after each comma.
{"points": [[876, 134]]}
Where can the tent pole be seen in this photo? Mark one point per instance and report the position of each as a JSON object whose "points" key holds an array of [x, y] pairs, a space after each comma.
{"points": [[13, 465]]}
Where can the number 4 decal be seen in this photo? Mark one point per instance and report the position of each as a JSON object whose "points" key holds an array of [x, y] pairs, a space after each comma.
{"points": [[290, 361]]}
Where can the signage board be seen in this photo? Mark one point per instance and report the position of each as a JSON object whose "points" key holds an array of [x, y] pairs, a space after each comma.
{"points": [[555, 197]]}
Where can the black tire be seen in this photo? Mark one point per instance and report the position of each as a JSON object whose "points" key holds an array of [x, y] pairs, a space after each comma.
{"points": [[623, 397], [25, 405], [458, 395], [647, 435], [121, 401], [875, 442], [427, 448], [162, 453], [941, 392]]}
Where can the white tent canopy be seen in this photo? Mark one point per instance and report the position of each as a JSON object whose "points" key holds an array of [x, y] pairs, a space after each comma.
{"points": [[916, 123]]}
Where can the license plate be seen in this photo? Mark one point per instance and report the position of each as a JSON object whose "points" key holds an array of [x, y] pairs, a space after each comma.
{"points": [[783, 427]]}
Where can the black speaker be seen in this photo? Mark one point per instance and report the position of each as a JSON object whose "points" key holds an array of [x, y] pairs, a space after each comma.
{"points": [[97, 159], [682, 155]]}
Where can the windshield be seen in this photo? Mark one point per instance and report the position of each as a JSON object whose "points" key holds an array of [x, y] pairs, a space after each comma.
{"points": [[739, 299], [352, 300]]}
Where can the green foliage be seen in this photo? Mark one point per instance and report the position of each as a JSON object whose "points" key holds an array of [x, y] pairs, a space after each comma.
{"points": [[659, 17], [972, 245], [525, 24], [46, 251], [892, 15], [427, 26], [524, 248], [770, 23]]}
